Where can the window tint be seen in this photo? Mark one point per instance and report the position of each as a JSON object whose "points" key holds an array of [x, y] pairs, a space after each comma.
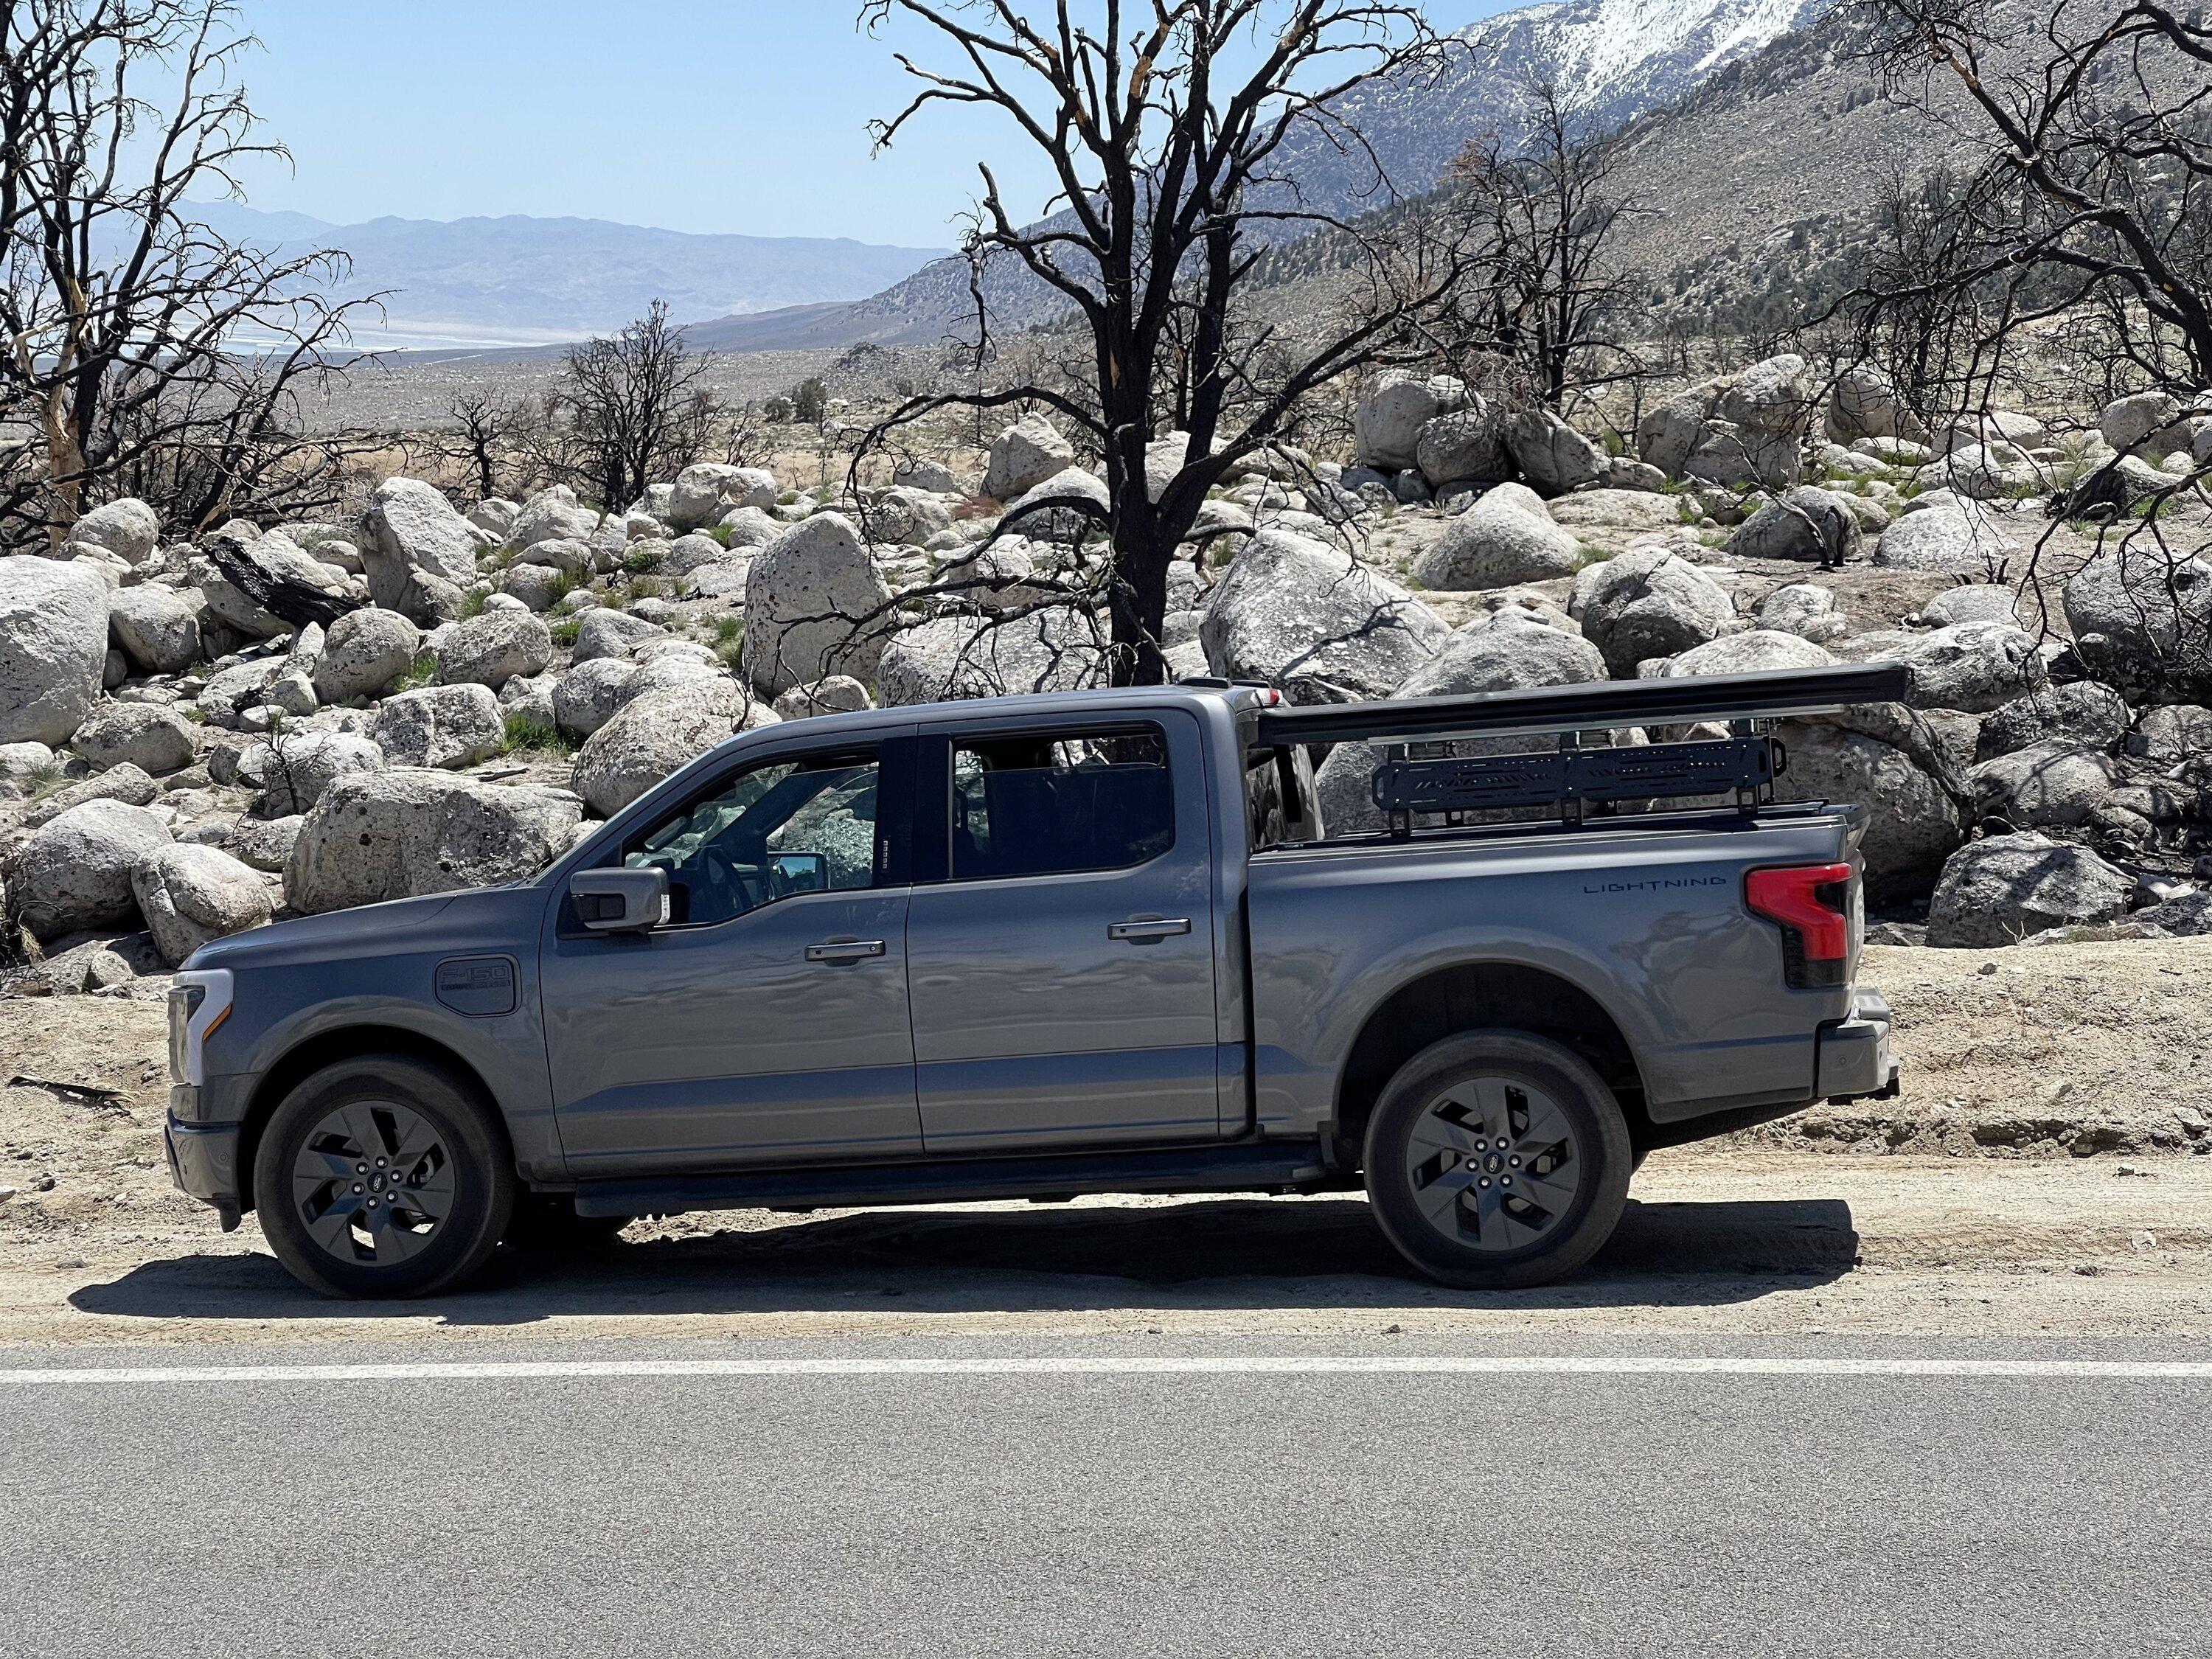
{"points": [[1041, 805], [803, 825]]}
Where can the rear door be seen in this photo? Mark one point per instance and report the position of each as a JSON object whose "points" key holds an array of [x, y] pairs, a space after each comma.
{"points": [[1062, 970]]}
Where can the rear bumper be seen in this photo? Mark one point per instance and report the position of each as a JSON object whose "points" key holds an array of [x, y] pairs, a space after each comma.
{"points": [[204, 1163], [1854, 1061]]}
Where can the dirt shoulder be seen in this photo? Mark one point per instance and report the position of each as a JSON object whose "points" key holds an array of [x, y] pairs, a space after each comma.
{"points": [[1715, 1242], [2037, 1176], [2050, 1050]]}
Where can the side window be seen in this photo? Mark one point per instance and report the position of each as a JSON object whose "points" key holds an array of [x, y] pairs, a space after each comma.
{"points": [[1038, 805], [805, 824]]}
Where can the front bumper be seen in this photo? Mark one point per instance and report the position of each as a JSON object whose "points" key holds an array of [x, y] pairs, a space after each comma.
{"points": [[1854, 1060], [204, 1163]]}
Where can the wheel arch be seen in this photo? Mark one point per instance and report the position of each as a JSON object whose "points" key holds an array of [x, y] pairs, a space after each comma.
{"points": [[1477, 996], [310, 1054]]}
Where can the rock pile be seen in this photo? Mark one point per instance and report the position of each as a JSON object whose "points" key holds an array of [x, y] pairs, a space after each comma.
{"points": [[198, 735]]}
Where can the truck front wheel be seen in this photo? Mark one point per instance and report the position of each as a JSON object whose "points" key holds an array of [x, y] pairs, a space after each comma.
{"points": [[383, 1176], [1497, 1160]]}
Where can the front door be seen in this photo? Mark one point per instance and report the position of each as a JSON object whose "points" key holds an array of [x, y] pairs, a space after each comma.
{"points": [[1063, 976], [767, 1021]]}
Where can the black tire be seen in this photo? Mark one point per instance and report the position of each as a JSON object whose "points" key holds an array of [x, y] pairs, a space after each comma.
{"points": [[1521, 1222], [429, 1196], [546, 1223]]}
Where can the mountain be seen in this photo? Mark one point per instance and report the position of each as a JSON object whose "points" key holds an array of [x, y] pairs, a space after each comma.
{"points": [[520, 281], [1610, 61]]}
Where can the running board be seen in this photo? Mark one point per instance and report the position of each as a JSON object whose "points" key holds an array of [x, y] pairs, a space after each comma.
{"points": [[1262, 1167]]}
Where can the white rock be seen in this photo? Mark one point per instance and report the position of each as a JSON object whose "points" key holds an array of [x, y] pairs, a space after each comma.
{"points": [[1648, 602], [191, 895], [1553, 456], [1394, 406], [1999, 891], [1024, 456], [127, 528], [589, 694], [75, 873], [953, 657], [401, 833], [153, 738], [1758, 652], [364, 653], [293, 770], [838, 695], [656, 736], [53, 647], [496, 515], [1305, 617], [607, 632], [492, 648], [814, 606], [552, 515], [409, 527], [155, 627], [1505, 538], [445, 727], [1952, 541]]}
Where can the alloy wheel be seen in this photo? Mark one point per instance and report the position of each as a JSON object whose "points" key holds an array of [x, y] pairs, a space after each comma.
{"points": [[1494, 1164], [374, 1182]]}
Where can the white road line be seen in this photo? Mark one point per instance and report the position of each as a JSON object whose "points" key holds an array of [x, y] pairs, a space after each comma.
{"points": [[1123, 1365]]}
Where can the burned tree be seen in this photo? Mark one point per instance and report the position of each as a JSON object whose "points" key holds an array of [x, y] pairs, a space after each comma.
{"points": [[2092, 204], [1163, 125], [628, 409], [2086, 226], [1553, 299], [144, 350], [486, 428]]}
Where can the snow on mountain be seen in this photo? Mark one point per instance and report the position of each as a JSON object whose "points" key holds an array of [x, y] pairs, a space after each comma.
{"points": [[1611, 61]]}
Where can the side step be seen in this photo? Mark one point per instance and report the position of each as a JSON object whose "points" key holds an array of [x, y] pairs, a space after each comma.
{"points": [[1262, 1167]]}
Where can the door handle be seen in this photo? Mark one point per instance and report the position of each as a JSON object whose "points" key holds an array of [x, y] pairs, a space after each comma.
{"points": [[845, 949], [1149, 931]]}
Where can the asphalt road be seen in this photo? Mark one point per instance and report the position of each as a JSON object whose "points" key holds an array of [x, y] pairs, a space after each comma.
{"points": [[1159, 1496]]}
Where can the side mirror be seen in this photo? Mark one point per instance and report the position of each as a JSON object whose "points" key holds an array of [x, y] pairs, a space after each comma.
{"points": [[620, 901], [797, 872]]}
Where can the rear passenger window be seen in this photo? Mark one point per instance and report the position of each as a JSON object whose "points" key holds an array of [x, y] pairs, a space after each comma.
{"points": [[1039, 804]]}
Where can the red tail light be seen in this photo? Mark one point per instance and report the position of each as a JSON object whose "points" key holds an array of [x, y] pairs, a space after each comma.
{"points": [[1811, 904]]}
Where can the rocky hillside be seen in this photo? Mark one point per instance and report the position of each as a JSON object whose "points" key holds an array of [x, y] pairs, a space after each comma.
{"points": [[516, 280], [1609, 59]]}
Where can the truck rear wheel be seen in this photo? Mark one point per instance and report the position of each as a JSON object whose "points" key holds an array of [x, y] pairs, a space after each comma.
{"points": [[1497, 1160], [383, 1176]]}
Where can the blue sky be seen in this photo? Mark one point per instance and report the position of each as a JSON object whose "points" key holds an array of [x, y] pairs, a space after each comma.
{"points": [[700, 115]]}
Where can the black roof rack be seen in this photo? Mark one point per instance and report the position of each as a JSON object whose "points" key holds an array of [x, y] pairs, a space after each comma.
{"points": [[1601, 705]]}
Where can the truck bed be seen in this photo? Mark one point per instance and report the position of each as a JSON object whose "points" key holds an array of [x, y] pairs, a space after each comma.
{"points": [[1643, 917]]}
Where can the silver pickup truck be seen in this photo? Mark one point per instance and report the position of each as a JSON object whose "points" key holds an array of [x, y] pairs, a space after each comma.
{"points": [[1035, 947]]}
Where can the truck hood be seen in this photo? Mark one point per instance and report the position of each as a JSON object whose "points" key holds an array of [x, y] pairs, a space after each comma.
{"points": [[358, 932]]}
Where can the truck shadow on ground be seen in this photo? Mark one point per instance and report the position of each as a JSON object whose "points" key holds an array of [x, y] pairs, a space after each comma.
{"points": [[1218, 1254]]}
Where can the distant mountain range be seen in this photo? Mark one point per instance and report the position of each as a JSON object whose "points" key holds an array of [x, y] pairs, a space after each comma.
{"points": [[517, 281], [1609, 60]]}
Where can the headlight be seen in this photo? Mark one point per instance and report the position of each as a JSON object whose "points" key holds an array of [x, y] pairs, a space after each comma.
{"points": [[198, 1002]]}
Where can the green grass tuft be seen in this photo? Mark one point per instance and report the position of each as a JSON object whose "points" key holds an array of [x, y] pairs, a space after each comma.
{"points": [[422, 672], [528, 736]]}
